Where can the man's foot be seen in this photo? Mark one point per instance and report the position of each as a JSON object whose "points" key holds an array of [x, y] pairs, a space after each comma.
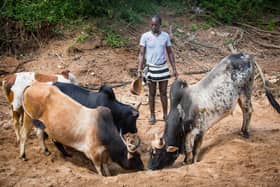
{"points": [[152, 120]]}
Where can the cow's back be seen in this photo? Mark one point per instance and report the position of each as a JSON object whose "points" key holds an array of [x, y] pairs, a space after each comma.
{"points": [[124, 115], [15, 84], [64, 119], [81, 95], [216, 95]]}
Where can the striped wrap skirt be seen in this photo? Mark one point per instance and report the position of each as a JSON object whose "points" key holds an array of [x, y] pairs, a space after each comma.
{"points": [[157, 73]]}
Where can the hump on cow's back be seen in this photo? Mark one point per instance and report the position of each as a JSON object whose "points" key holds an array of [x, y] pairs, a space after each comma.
{"points": [[243, 56], [45, 77], [104, 115], [177, 84], [108, 90], [239, 60], [176, 91], [103, 109], [39, 91], [235, 57]]}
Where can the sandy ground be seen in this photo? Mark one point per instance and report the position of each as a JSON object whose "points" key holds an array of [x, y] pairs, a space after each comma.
{"points": [[226, 158]]}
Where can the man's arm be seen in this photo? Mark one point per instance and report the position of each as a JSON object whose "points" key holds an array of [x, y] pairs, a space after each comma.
{"points": [[172, 60], [141, 61]]}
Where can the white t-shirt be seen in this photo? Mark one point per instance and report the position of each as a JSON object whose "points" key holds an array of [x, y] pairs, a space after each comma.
{"points": [[155, 47]]}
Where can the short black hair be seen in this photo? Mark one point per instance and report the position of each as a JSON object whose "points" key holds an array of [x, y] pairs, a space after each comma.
{"points": [[158, 18]]}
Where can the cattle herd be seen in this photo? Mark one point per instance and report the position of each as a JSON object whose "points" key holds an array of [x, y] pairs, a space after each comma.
{"points": [[101, 127]]}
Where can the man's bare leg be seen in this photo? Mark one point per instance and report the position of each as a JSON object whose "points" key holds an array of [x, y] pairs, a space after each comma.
{"points": [[152, 94]]}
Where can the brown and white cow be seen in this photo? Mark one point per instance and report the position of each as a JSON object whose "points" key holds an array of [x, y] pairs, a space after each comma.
{"points": [[13, 86], [91, 131], [194, 109]]}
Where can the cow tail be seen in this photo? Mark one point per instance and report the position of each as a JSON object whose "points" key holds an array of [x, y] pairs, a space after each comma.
{"points": [[37, 123], [272, 100], [2, 81], [5, 88], [268, 93]]}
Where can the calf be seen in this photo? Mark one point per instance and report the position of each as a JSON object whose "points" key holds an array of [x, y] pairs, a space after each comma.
{"points": [[196, 108], [13, 86], [91, 131]]}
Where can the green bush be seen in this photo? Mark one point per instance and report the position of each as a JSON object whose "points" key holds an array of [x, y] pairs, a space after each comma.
{"points": [[230, 11], [114, 40], [82, 37], [32, 13]]}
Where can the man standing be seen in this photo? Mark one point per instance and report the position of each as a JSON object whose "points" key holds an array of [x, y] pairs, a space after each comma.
{"points": [[153, 47]]}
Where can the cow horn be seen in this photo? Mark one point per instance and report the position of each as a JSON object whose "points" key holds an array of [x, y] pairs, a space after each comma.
{"points": [[138, 106], [158, 143], [171, 149], [135, 113], [122, 137]]}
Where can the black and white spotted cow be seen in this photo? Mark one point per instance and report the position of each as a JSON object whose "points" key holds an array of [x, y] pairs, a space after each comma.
{"points": [[194, 109]]}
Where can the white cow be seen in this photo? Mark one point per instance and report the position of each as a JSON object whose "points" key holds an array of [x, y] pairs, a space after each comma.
{"points": [[194, 109], [14, 85]]}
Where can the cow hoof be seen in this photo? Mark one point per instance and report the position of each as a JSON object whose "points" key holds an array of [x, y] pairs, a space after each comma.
{"points": [[47, 153]]}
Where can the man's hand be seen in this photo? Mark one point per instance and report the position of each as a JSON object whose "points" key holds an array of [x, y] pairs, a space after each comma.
{"points": [[139, 74]]}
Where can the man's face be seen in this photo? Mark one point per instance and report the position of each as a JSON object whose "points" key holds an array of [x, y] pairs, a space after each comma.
{"points": [[155, 25]]}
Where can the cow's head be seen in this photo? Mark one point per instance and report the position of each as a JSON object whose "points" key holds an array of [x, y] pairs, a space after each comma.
{"points": [[162, 155], [132, 142], [129, 122], [124, 115], [166, 149]]}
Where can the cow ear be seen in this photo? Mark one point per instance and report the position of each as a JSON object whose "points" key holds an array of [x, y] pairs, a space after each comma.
{"points": [[171, 149], [129, 155]]}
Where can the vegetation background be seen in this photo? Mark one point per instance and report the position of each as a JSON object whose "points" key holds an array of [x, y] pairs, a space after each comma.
{"points": [[27, 24]]}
